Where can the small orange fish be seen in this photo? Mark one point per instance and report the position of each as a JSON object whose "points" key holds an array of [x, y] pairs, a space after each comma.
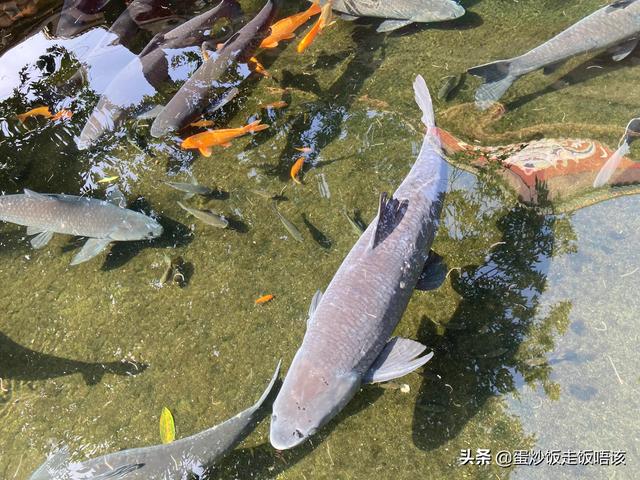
{"points": [[264, 299], [278, 104], [35, 112], [324, 21], [258, 67], [283, 29], [304, 149], [202, 123], [211, 138], [63, 114], [295, 170]]}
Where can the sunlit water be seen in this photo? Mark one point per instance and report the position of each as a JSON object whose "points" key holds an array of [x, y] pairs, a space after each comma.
{"points": [[534, 332]]}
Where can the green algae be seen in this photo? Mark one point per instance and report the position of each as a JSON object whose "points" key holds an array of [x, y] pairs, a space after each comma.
{"points": [[521, 280]]}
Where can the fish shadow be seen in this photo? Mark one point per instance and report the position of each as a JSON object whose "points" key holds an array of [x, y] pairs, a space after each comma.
{"points": [[317, 235], [482, 353], [263, 461], [590, 69], [22, 363]]}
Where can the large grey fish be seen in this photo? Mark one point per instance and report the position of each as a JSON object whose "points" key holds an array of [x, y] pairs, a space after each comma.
{"points": [[347, 342], [615, 27], [101, 221], [399, 13], [223, 71], [173, 461], [152, 62]]}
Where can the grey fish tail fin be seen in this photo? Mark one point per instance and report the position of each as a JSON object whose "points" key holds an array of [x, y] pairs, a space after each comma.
{"points": [[423, 99], [498, 79], [624, 148], [53, 467]]}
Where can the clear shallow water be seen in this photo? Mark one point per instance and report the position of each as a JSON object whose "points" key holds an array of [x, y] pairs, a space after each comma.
{"points": [[534, 338]]}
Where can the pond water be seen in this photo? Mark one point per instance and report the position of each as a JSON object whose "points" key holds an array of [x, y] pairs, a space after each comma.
{"points": [[534, 331]]}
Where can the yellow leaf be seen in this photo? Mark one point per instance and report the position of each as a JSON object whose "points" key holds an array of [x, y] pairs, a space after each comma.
{"points": [[108, 179], [167, 427]]}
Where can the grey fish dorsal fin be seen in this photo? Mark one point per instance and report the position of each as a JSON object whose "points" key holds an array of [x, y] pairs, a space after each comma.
{"points": [[623, 50], [399, 357], [35, 195], [116, 197], [618, 4], [433, 274], [391, 25], [390, 214]]}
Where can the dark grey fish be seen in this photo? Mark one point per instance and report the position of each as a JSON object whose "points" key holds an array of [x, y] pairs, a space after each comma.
{"points": [[207, 216], [224, 70], [78, 16], [110, 111], [291, 228], [101, 221], [192, 188], [399, 13], [173, 461], [347, 342], [615, 27]]}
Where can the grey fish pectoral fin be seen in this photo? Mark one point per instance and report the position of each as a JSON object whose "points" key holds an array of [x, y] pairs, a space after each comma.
{"points": [[348, 18], [622, 51], [90, 249], [399, 357], [391, 25], [41, 240], [390, 214], [315, 301], [433, 274]]}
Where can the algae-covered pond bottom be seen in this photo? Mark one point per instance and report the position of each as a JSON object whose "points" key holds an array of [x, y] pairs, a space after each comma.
{"points": [[534, 332]]}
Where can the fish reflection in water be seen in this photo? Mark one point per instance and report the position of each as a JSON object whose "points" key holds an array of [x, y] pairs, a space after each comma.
{"points": [[149, 71], [225, 69], [22, 363]]}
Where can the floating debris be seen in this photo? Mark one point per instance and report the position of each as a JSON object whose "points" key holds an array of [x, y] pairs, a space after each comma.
{"points": [[403, 387], [174, 271], [167, 426], [109, 179]]}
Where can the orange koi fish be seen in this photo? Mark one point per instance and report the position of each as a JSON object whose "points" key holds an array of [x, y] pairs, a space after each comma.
{"points": [[283, 29], [211, 138], [35, 112], [258, 67], [63, 114], [202, 123], [324, 21], [295, 170], [278, 104], [264, 299]]}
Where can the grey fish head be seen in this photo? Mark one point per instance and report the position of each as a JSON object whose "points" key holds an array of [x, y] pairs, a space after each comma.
{"points": [[136, 226], [308, 399], [438, 11]]}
